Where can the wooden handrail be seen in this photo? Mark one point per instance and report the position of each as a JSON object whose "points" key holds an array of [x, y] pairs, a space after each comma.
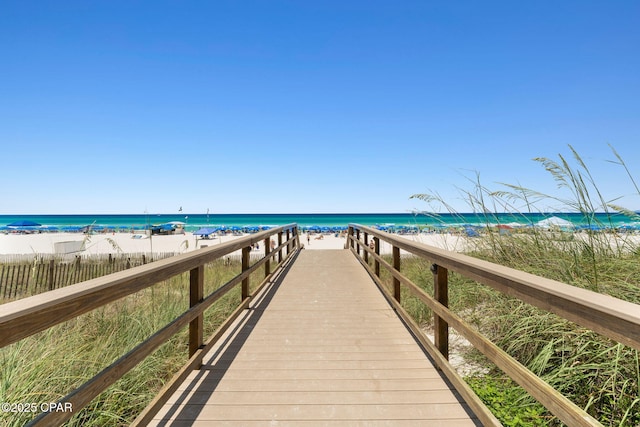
{"points": [[25, 317], [606, 315]]}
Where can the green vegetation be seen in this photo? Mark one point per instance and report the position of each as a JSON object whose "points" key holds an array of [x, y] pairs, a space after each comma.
{"points": [[597, 374], [46, 366]]}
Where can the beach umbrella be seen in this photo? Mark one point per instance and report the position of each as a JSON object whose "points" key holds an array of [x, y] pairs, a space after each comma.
{"points": [[554, 221], [471, 232], [24, 223], [204, 231], [627, 227], [514, 224]]}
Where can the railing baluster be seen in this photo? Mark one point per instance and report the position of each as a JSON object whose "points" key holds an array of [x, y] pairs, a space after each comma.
{"points": [[288, 242], [246, 251], [376, 263], [396, 266], [267, 252], [196, 295], [441, 294], [366, 244]]}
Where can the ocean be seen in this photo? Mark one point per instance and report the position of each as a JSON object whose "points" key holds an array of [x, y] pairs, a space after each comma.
{"points": [[196, 221]]}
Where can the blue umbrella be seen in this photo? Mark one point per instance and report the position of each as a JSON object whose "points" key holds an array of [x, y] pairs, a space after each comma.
{"points": [[24, 223], [204, 231]]}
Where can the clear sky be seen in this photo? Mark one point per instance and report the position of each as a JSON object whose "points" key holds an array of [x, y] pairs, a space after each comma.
{"points": [[308, 106]]}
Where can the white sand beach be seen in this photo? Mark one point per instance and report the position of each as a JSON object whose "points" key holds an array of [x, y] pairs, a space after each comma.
{"points": [[114, 243]]}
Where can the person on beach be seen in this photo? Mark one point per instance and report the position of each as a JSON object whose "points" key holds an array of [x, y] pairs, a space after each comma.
{"points": [[308, 239]]}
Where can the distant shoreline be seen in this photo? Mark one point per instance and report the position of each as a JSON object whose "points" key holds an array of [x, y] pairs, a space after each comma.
{"points": [[422, 219], [44, 244]]}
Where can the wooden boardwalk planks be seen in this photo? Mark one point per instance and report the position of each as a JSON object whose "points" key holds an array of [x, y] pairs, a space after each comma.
{"points": [[321, 347]]}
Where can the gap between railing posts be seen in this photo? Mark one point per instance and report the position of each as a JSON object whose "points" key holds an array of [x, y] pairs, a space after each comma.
{"points": [[196, 295], [376, 263], [441, 294], [246, 251], [366, 243], [396, 265], [267, 252]]}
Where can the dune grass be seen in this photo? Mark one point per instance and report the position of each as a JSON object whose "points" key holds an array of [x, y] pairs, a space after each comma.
{"points": [[597, 374], [46, 366]]}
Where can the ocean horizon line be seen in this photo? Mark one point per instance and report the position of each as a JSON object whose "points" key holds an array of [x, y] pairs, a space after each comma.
{"points": [[423, 212], [193, 222]]}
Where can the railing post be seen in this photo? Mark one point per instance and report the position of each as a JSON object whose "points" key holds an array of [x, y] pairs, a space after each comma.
{"points": [[396, 266], [376, 263], [288, 242], [366, 244], [441, 294], [295, 229], [246, 251], [349, 237], [196, 295], [267, 252], [279, 244]]}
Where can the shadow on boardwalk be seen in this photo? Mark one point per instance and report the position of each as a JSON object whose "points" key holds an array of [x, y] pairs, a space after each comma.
{"points": [[319, 345]]}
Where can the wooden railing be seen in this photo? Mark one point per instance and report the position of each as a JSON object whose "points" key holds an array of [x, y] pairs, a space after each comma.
{"points": [[613, 318], [23, 318]]}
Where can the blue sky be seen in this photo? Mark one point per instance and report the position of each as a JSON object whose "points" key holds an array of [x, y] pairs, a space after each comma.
{"points": [[297, 106]]}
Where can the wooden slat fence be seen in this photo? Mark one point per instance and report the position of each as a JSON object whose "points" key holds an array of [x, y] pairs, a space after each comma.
{"points": [[40, 275]]}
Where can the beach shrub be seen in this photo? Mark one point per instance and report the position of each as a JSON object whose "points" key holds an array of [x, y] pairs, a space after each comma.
{"points": [[595, 373], [46, 366]]}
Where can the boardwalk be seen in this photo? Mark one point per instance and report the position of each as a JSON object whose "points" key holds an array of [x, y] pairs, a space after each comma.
{"points": [[320, 347]]}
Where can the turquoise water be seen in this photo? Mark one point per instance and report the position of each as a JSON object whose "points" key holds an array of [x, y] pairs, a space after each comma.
{"points": [[195, 221]]}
